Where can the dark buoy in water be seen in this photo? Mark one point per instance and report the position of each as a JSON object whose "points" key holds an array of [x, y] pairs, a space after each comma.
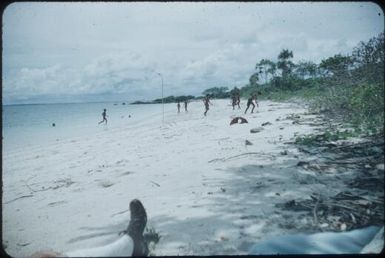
{"points": [[53, 125]]}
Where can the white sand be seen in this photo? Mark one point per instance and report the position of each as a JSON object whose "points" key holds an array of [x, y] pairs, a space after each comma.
{"points": [[204, 190]]}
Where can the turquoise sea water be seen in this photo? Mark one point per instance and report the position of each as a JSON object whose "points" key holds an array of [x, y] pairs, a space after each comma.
{"points": [[27, 125]]}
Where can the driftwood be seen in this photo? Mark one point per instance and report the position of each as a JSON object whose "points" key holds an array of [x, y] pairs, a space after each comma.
{"points": [[155, 183], [24, 196], [240, 155]]}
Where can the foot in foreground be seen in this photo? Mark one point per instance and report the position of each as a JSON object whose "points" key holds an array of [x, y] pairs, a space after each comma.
{"points": [[132, 243]]}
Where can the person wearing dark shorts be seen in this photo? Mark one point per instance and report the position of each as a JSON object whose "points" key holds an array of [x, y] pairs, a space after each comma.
{"points": [[234, 101], [238, 101], [250, 102], [206, 101], [104, 115]]}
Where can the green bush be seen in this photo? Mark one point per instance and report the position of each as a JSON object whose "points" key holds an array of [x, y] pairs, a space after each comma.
{"points": [[367, 105]]}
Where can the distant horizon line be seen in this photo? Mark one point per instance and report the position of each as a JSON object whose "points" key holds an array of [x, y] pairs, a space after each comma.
{"points": [[53, 103]]}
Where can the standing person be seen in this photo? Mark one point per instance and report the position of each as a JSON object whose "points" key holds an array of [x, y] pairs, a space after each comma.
{"points": [[185, 105], [250, 102], [104, 115], [256, 99], [233, 101], [206, 101], [178, 105], [238, 101]]}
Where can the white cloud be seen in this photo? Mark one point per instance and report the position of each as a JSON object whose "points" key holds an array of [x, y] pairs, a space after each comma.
{"points": [[117, 48]]}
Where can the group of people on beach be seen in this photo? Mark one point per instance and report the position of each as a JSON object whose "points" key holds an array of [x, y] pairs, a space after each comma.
{"points": [[185, 105], [236, 101]]}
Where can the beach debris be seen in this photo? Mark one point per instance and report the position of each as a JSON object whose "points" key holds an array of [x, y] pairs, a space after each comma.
{"points": [[283, 152], [259, 155], [341, 212], [52, 204], [126, 173], [66, 182], [223, 238], [223, 189], [158, 185], [120, 212], [247, 142], [238, 119], [293, 116], [151, 237], [266, 123], [23, 244], [24, 196], [256, 130], [302, 163]]}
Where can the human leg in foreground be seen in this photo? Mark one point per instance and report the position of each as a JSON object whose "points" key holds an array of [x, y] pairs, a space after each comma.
{"points": [[132, 243]]}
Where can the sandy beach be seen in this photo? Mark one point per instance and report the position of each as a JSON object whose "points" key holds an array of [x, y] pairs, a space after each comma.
{"points": [[205, 190]]}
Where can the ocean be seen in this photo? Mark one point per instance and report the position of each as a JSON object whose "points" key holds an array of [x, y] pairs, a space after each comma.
{"points": [[29, 125]]}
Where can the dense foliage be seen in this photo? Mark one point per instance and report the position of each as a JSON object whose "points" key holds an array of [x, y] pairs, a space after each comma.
{"points": [[348, 86]]}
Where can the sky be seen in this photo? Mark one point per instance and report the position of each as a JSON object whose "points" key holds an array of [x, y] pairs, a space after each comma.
{"points": [[100, 51]]}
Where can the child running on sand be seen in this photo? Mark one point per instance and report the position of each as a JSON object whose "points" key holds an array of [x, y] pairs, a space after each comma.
{"points": [[178, 105], [104, 114], [250, 102], [206, 101]]}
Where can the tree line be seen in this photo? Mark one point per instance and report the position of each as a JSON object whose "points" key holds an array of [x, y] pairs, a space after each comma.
{"points": [[350, 85]]}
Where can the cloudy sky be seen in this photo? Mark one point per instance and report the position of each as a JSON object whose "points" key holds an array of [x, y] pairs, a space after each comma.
{"points": [[71, 52]]}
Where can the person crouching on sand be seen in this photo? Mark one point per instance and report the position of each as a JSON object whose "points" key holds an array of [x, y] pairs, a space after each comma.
{"points": [[104, 115], [206, 101], [250, 102]]}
